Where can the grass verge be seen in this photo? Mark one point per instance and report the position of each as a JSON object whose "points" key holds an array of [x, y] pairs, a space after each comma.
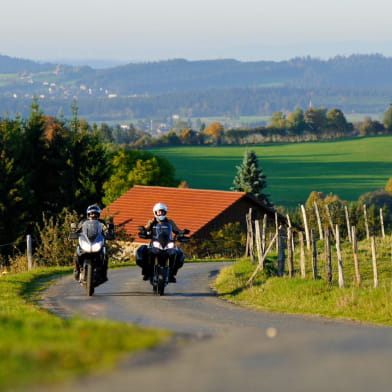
{"points": [[38, 348], [304, 296]]}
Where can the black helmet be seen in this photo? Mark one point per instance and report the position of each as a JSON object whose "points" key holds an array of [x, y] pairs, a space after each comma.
{"points": [[93, 212]]}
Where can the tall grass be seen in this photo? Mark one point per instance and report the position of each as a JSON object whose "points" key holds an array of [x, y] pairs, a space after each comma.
{"points": [[316, 296], [38, 348]]}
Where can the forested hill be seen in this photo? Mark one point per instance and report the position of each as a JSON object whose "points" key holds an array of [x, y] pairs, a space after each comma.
{"points": [[181, 75], [12, 65], [349, 83]]}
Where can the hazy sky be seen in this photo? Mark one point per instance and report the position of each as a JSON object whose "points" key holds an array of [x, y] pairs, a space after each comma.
{"points": [[146, 30]]}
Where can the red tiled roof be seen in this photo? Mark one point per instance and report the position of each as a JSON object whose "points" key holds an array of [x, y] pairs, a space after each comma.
{"points": [[190, 208]]}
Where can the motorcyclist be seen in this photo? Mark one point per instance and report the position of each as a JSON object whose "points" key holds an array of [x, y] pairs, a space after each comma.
{"points": [[142, 253], [94, 212]]}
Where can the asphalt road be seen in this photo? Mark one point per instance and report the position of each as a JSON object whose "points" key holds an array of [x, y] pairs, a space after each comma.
{"points": [[222, 347]]}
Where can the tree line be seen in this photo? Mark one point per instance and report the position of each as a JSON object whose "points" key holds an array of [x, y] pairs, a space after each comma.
{"points": [[313, 124], [48, 164]]}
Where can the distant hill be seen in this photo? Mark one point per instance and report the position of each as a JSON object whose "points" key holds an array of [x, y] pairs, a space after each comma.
{"points": [[357, 83], [359, 71], [12, 65]]}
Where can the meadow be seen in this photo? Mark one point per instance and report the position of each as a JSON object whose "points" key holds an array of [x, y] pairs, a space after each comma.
{"points": [[347, 168], [38, 348]]}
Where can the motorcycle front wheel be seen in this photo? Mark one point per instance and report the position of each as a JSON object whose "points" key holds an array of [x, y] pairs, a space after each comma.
{"points": [[161, 285], [89, 280]]}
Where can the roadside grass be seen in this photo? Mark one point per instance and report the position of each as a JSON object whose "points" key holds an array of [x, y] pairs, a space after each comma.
{"points": [[39, 348], [309, 296], [347, 168]]}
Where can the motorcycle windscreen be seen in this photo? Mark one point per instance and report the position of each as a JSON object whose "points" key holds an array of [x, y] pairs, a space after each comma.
{"points": [[92, 229], [162, 232], [92, 239]]}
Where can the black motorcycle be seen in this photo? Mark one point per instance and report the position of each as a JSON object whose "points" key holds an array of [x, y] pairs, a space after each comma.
{"points": [[91, 252], [162, 253]]}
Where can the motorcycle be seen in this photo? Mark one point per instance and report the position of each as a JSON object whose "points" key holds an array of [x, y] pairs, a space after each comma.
{"points": [[162, 253], [91, 252]]}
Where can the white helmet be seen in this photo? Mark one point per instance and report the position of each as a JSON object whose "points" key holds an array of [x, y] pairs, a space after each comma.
{"points": [[160, 207]]}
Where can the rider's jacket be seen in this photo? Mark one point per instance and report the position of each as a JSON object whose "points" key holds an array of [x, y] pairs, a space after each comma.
{"points": [[106, 229], [152, 222]]}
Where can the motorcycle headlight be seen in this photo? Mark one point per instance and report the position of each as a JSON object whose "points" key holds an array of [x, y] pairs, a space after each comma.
{"points": [[170, 245], [96, 247], [157, 244]]}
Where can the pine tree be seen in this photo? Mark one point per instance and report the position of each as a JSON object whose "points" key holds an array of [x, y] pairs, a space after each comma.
{"points": [[250, 178]]}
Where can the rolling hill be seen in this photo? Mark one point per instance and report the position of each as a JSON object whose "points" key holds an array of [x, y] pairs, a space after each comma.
{"points": [[358, 83]]}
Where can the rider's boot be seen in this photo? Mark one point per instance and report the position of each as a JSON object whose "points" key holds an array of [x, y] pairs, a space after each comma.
{"points": [[172, 279], [76, 275], [76, 271]]}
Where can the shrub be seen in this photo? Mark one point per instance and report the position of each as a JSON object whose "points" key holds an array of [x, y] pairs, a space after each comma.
{"points": [[53, 248]]}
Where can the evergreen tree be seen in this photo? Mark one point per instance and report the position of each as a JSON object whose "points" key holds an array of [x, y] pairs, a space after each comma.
{"points": [[13, 189], [250, 178]]}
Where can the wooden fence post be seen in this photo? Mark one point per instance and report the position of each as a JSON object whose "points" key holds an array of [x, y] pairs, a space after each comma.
{"points": [[258, 243], [340, 260], [259, 266], [328, 256], [348, 223], [305, 220], [290, 253], [302, 251], [382, 224], [318, 220], [292, 237], [314, 255], [330, 220], [29, 251], [264, 233], [277, 231], [366, 221], [355, 254], [374, 260], [250, 237], [281, 252]]}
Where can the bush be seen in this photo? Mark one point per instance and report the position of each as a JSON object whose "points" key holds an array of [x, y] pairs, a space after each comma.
{"points": [[53, 248], [229, 241]]}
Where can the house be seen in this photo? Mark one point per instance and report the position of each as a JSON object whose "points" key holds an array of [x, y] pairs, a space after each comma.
{"points": [[198, 210]]}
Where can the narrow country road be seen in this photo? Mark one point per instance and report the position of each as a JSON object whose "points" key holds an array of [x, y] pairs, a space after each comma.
{"points": [[220, 347]]}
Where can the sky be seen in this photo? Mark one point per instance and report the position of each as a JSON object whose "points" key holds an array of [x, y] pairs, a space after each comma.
{"points": [[124, 31]]}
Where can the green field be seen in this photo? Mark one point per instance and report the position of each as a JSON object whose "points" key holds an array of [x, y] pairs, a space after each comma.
{"points": [[347, 168]]}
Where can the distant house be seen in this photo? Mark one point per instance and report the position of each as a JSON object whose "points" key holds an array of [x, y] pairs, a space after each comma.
{"points": [[199, 210]]}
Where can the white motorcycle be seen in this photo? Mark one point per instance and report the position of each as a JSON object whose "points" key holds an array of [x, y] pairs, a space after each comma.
{"points": [[91, 253]]}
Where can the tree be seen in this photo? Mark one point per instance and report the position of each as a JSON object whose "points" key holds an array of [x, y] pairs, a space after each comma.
{"points": [[279, 121], [250, 178], [315, 119], [371, 127], [215, 131], [189, 137], [337, 123], [13, 189], [134, 167], [45, 166], [145, 172], [296, 122], [387, 120], [89, 167], [388, 186]]}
